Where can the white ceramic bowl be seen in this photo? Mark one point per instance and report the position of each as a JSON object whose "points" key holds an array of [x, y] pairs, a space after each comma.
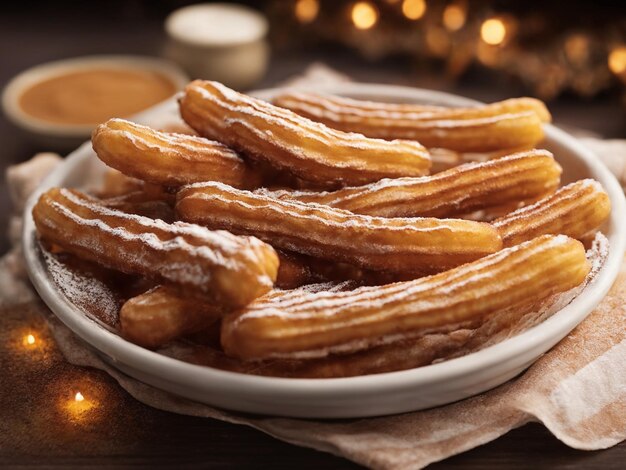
{"points": [[68, 136], [371, 395]]}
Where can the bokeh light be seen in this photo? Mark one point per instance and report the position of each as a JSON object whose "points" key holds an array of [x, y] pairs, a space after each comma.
{"points": [[307, 10], [577, 49], [493, 31], [414, 9], [364, 15], [454, 16], [29, 340], [617, 60]]}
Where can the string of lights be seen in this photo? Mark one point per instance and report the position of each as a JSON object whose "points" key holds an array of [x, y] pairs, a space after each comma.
{"points": [[459, 33]]}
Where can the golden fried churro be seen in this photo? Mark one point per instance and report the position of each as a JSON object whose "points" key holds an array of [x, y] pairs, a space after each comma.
{"points": [[469, 187], [509, 123], [574, 210], [420, 351], [394, 245], [348, 108], [231, 269], [287, 141], [444, 159], [168, 159], [161, 315], [315, 325]]}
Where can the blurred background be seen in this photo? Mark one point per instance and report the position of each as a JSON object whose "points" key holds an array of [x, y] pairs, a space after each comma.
{"points": [[570, 54]]}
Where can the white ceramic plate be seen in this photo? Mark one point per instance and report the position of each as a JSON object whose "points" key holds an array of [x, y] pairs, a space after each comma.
{"points": [[363, 396]]}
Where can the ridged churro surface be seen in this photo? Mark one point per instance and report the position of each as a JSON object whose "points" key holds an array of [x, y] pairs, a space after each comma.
{"points": [[395, 245], [320, 323], [509, 123], [223, 266], [574, 210], [168, 159], [518, 177], [288, 141]]}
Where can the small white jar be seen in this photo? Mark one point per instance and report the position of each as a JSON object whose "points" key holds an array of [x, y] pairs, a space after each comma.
{"points": [[219, 41]]}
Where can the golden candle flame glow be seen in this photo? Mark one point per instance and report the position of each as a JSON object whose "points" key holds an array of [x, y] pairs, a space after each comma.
{"points": [[30, 339], [454, 16], [414, 9], [617, 60], [364, 15], [493, 31], [80, 409], [307, 10]]}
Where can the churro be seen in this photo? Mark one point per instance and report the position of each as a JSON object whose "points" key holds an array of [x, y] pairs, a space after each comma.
{"points": [[161, 315], [394, 245], [222, 266], [315, 325], [444, 159], [509, 123], [288, 141], [519, 177], [168, 159], [575, 210]]}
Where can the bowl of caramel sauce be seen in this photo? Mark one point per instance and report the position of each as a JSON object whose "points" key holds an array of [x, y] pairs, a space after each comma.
{"points": [[59, 103]]}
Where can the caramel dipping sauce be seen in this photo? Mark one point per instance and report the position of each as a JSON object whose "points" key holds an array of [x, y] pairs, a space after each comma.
{"points": [[94, 95]]}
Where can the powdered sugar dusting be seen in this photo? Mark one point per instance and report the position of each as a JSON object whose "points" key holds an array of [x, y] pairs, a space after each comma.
{"points": [[89, 294], [520, 176], [286, 140], [466, 294], [398, 244], [478, 126]]}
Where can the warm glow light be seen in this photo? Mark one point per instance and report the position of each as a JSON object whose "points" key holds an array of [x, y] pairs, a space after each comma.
{"points": [[438, 41], [577, 49], [493, 31], [307, 10], [454, 17], [30, 339], [80, 409], [414, 9], [617, 60], [364, 15]]}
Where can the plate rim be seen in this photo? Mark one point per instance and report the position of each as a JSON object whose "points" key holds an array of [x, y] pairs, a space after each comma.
{"points": [[182, 372]]}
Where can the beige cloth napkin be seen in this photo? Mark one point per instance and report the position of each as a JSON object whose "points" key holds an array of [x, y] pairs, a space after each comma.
{"points": [[577, 390]]}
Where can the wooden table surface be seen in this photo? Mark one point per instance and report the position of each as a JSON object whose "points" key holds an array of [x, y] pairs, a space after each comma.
{"points": [[139, 435]]}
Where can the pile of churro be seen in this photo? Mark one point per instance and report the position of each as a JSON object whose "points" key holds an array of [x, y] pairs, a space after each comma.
{"points": [[322, 236]]}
